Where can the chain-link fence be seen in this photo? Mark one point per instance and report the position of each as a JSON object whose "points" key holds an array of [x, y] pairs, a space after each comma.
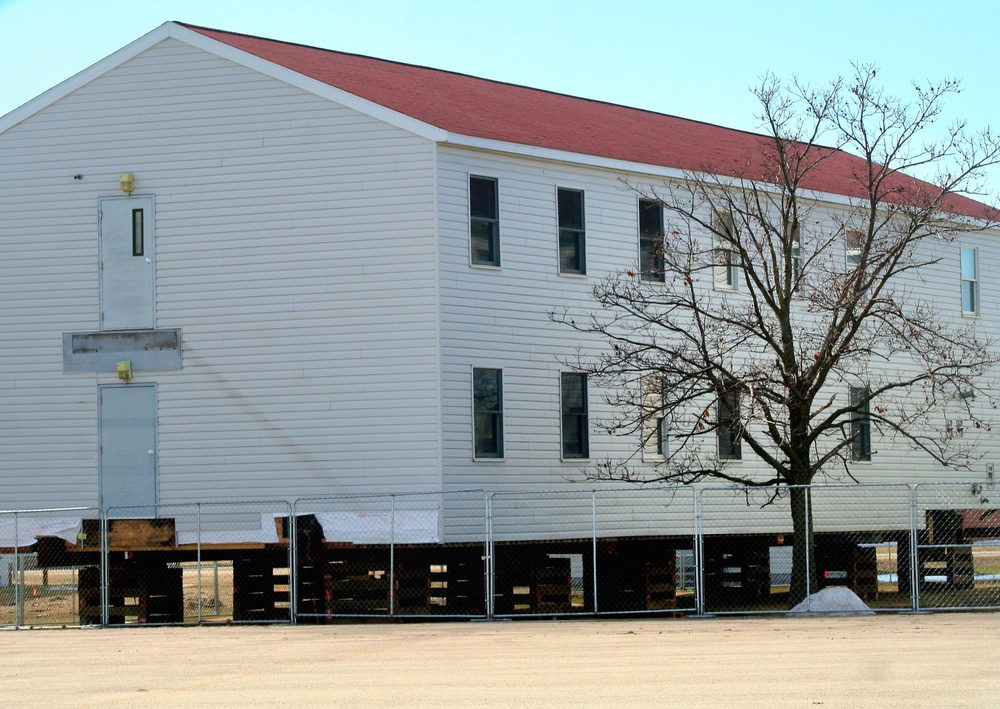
{"points": [[48, 566], [382, 556], [473, 554], [193, 563]]}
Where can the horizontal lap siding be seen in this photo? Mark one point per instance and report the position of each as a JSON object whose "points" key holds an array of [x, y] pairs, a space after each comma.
{"points": [[294, 249], [500, 318]]}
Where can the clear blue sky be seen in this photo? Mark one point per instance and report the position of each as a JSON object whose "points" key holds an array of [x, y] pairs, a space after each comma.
{"points": [[690, 59]]}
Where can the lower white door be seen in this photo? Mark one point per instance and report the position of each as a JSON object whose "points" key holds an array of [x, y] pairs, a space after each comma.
{"points": [[128, 449]]}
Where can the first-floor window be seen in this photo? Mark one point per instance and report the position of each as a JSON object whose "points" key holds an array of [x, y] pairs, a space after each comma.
{"points": [[655, 427], [861, 425], [728, 430], [487, 397], [970, 281], [575, 426]]}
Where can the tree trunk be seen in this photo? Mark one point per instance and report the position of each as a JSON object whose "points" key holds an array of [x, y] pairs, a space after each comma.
{"points": [[804, 577]]}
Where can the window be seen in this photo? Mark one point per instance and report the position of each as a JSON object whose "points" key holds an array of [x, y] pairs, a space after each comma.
{"points": [[854, 240], [796, 249], [484, 221], [487, 406], [728, 431], [655, 429], [970, 280], [726, 267], [861, 426], [572, 237], [650, 241], [575, 443]]}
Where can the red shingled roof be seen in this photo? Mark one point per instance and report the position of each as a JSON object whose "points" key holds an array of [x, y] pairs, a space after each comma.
{"points": [[481, 108]]}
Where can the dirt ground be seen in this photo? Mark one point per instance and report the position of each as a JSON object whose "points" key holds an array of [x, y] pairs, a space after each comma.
{"points": [[913, 661]]}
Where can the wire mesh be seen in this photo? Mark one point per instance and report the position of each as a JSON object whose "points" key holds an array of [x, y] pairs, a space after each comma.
{"points": [[46, 566], [958, 546], [645, 550], [201, 562]]}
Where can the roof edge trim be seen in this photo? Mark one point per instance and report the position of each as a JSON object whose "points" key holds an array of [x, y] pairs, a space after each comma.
{"points": [[80, 79]]}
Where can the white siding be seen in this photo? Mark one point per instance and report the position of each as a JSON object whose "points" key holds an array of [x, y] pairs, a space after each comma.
{"points": [[500, 318], [295, 250]]}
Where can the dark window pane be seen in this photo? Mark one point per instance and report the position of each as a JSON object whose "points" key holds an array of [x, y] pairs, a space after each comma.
{"points": [[484, 242], [570, 209], [137, 237], [571, 251], [483, 197]]}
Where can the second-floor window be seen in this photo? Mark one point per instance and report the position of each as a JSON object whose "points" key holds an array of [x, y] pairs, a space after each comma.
{"points": [[572, 236], [726, 268], [970, 280], [650, 240], [854, 240], [484, 221]]}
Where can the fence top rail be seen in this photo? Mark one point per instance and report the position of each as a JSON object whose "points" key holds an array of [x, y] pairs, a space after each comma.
{"points": [[49, 509], [384, 495], [811, 486], [251, 504], [593, 490]]}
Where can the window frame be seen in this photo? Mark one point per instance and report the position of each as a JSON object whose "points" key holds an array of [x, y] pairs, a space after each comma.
{"points": [[495, 416], [492, 222], [725, 270], [577, 234], [795, 239], [727, 427], [655, 430], [861, 427], [973, 283], [852, 254], [581, 419], [653, 272]]}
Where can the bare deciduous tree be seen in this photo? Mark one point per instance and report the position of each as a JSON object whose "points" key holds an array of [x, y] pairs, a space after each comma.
{"points": [[778, 325]]}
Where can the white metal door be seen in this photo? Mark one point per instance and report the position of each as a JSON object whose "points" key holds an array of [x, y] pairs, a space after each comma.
{"points": [[127, 263], [128, 447]]}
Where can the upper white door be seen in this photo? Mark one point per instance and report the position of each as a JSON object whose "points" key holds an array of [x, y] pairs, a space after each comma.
{"points": [[127, 263]]}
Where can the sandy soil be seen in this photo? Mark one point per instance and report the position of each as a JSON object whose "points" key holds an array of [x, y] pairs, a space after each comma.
{"points": [[943, 660]]}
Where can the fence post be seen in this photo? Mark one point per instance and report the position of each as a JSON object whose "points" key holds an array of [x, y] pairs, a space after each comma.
{"points": [[198, 551], [103, 572], [914, 553], [699, 556], [593, 515], [809, 539], [392, 555], [490, 560], [292, 530], [17, 578]]}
